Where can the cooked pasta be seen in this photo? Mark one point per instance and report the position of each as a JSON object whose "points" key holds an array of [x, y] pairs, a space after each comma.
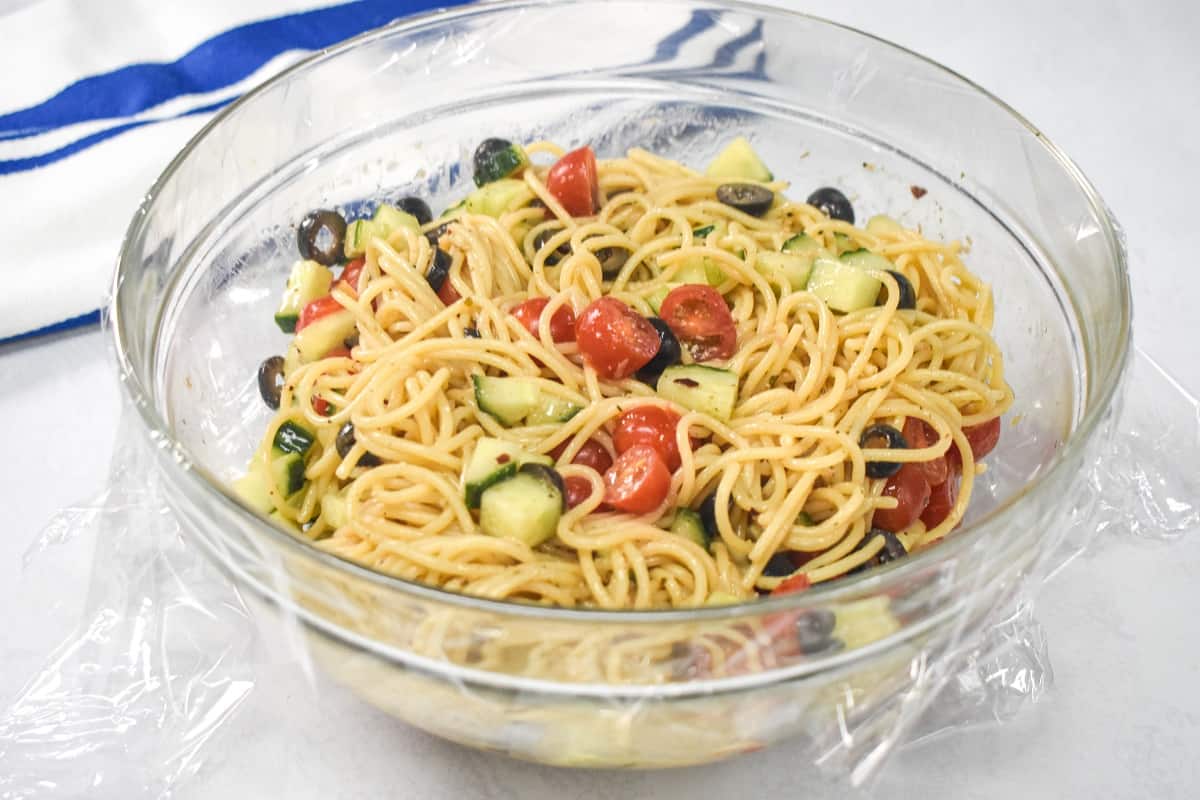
{"points": [[858, 369]]}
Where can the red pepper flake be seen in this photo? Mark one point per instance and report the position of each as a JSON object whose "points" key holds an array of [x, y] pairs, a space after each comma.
{"points": [[918, 191]]}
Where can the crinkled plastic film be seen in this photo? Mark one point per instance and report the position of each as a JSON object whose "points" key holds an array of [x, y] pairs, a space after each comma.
{"points": [[164, 654], [185, 585]]}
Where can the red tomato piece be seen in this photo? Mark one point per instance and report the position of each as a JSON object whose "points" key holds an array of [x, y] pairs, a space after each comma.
{"points": [[351, 273], [920, 434], [448, 294], [942, 498], [592, 454], [650, 425], [796, 583], [638, 482], [321, 406], [577, 489], [983, 437], [911, 490], [321, 307], [338, 352], [562, 324], [615, 340], [699, 318], [574, 181]]}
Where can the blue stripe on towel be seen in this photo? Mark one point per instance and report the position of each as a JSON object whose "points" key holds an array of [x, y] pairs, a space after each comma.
{"points": [[221, 61]]}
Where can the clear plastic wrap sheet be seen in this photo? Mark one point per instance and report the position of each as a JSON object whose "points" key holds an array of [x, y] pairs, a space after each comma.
{"points": [[134, 700]]}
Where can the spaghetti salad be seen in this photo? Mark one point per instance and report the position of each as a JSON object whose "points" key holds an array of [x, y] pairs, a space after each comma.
{"points": [[626, 384]]}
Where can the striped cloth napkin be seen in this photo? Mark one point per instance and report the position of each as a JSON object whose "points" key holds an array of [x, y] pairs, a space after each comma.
{"points": [[97, 97]]}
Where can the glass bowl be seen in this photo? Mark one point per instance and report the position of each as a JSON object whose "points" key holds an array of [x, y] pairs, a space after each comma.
{"points": [[399, 110]]}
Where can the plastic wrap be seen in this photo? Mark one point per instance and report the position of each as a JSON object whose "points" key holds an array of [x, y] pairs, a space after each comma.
{"points": [[193, 603], [166, 649]]}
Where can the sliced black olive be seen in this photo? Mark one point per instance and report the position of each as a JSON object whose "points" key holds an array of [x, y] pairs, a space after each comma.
{"points": [[779, 566], [908, 295], [708, 516], [611, 261], [814, 628], [748, 198], [471, 333], [321, 236], [878, 437], [560, 252], [417, 207], [439, 269], [547, 475], [345, 442], [669, 353], [832, 203], [495, 159], [351, 341], [434, 234], [892, 550], [270, 380], [826, 647]]}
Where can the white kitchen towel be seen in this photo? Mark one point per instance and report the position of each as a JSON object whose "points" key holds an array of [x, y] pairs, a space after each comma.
{"points": [[95, 100]]}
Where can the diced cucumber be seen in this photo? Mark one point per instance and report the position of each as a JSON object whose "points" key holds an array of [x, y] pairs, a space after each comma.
{"points": [[701, 270], [785, 271], [252, 487], [287, 471], [882, 223], [292, 437], [844, 287], [525, 507], [865, 259], [509, 400], [358, 233], [494, 460], [499, 197], [708, 390], [552, 409], [687, 523], [388, 219], [739, 161], [497, 159], [334, 509], [702, 233], [319, 337], [307, 281], [801, 243], [844, 244]]}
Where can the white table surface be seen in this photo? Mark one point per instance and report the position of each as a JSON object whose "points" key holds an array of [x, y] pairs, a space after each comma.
{"points": [[1114, 84]]}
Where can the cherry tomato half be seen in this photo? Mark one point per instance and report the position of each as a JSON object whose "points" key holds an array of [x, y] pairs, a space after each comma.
{"points": [[592, 454], [615, 340], [638, 482], [796, 583], [448, 294], [351, 273], [911, 490], [983, 437], [942, 498], [574, 182], [699, 318], [321, 307], [650, 425], [577, 489], [920, 434], [562, 324], [322, 406]]}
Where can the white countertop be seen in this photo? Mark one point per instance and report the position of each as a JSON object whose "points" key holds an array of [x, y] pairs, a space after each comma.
{"points": [[1114, 85]]}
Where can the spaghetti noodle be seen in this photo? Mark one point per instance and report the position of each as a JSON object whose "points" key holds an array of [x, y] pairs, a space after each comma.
{"points": [[784, 479]]}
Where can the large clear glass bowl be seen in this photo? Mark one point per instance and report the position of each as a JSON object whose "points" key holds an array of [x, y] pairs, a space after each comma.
{"points": [[399, 111]]}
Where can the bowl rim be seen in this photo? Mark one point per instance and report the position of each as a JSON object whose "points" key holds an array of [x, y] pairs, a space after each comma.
{"points": [[841, 590]]}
